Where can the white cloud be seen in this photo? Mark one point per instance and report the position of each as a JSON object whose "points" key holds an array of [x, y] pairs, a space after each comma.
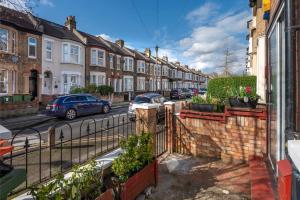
{"points": [[107, 37], [204, 47], [20, 5], [46, 3], [203, 13]]}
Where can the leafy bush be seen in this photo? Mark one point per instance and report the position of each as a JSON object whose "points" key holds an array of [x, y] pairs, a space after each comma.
{"points": [[223, 88], [105, 89], [207, 100], [85, 183], [93, 89], [137, 154]]}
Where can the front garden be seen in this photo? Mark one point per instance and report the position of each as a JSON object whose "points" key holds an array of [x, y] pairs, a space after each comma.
{"points": [[131, 173]]}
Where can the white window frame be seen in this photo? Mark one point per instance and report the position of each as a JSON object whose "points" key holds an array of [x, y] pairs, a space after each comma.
{"points": [[100, 78], [67, 59], [141, 66], [126, 88], [127, 66], [35, 46], [5, 82], [111, 60], [5, 30], [47, 50], [118, 62], [98, 63], [141, 81]]}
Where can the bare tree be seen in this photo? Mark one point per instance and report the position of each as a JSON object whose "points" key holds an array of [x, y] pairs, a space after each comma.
{"points": [[20, 5]]}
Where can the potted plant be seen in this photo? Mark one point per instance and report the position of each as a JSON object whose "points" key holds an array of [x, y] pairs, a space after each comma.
{"points": [[136, 168], [207, 104], [244, 97], [84, 183]]}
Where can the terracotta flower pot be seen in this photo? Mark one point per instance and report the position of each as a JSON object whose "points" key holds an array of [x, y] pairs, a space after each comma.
{"points": [[136, 184], [107, 195]]}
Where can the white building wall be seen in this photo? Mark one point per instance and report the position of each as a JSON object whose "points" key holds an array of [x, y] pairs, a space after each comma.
{"points": [[261, 64], [58, 68]]}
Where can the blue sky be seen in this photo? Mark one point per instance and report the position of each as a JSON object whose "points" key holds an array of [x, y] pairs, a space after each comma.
{"points": [[195, 32]]}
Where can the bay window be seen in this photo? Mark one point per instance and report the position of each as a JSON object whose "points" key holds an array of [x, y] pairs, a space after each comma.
{"points": [[97, 78], [128, 64], [141, 66], [70, 81], [32, 45], [141, 83], [128, 83], [71, 53], [3, 39], [3, 81]]}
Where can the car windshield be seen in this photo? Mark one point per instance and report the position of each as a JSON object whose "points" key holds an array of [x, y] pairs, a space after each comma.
{"points": [[141, 99]]}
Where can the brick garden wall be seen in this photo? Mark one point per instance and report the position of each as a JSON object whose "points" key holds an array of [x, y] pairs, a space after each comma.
{"points": [[236, 139], [18, 109]]}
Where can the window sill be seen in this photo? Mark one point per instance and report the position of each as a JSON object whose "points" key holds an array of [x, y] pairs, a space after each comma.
{"points": [[31, 57], [71, 63], [97, 65]]}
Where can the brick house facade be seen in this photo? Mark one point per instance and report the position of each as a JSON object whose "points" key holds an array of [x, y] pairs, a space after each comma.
{"points": [[20, 54]]}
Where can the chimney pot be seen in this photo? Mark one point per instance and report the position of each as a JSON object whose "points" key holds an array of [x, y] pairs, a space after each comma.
{"points": [[70, 22], [148, 52], [120, 43]]}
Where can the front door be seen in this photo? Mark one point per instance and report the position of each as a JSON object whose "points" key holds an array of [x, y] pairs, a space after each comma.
{"points": [[33, 88]]}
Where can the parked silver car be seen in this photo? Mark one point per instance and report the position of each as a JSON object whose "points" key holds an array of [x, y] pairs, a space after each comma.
{"points": [[146, 99]]}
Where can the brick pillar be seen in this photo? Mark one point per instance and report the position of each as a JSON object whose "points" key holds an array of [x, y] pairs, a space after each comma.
{"points": [[146, 120], [170, 125], [182, 104]]}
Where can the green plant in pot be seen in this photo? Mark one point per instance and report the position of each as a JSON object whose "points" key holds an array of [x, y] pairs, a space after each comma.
{"points": [[244, 97], [201, 104]]}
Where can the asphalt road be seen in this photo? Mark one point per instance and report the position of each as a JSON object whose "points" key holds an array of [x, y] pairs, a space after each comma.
{"points": [[42, 122]]}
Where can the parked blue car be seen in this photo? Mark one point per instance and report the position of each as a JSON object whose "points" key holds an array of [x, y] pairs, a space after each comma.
{"points": [[72, 106]]}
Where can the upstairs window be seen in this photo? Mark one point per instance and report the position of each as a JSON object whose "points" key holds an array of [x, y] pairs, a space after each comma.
{"points": [[128, 64], [13, 45], [3, 40], [49, 48], [118, 62], [71, 53], [32, 43], [98, 57], [141, 66], [111, 61]]}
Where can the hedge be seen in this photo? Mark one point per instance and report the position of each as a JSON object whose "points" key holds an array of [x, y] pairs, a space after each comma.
{"points": [[93, 89], [222, 87]]}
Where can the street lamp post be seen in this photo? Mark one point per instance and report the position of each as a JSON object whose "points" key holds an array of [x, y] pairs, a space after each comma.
{"points": [[156, 60]]}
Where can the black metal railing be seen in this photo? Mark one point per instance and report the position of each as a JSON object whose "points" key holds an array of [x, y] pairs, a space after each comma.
{"points": [[44, 155], [161, 132]]}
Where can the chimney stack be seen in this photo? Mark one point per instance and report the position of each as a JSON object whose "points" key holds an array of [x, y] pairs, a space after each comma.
{"points": [[148, 52], [120, 43], [165, 58], [70, 23], [177, 63]]}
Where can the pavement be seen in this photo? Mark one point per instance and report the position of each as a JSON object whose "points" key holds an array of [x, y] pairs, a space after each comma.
{"points": [[191, 178]]}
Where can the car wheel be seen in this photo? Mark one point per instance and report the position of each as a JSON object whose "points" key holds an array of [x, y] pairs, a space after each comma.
{"points": [[105, 109], [71, 114]]}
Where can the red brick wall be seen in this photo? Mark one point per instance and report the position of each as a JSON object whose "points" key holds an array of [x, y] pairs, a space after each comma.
{"points": [[236, 139]]}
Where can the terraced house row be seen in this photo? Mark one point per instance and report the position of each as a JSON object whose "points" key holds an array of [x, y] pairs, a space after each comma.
{"points": [[43, 59]]}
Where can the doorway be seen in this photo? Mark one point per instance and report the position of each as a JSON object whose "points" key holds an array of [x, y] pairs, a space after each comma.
{"points": [[48, 81], [33, 83]]}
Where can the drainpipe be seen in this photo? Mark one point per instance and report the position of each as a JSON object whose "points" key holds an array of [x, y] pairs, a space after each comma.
{"points": [[290, 71]]}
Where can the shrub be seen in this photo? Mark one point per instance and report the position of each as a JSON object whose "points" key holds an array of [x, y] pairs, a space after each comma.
{"points": [[76, 90], [105, 89], [137, 154], [223, 88], [85, 183]]}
